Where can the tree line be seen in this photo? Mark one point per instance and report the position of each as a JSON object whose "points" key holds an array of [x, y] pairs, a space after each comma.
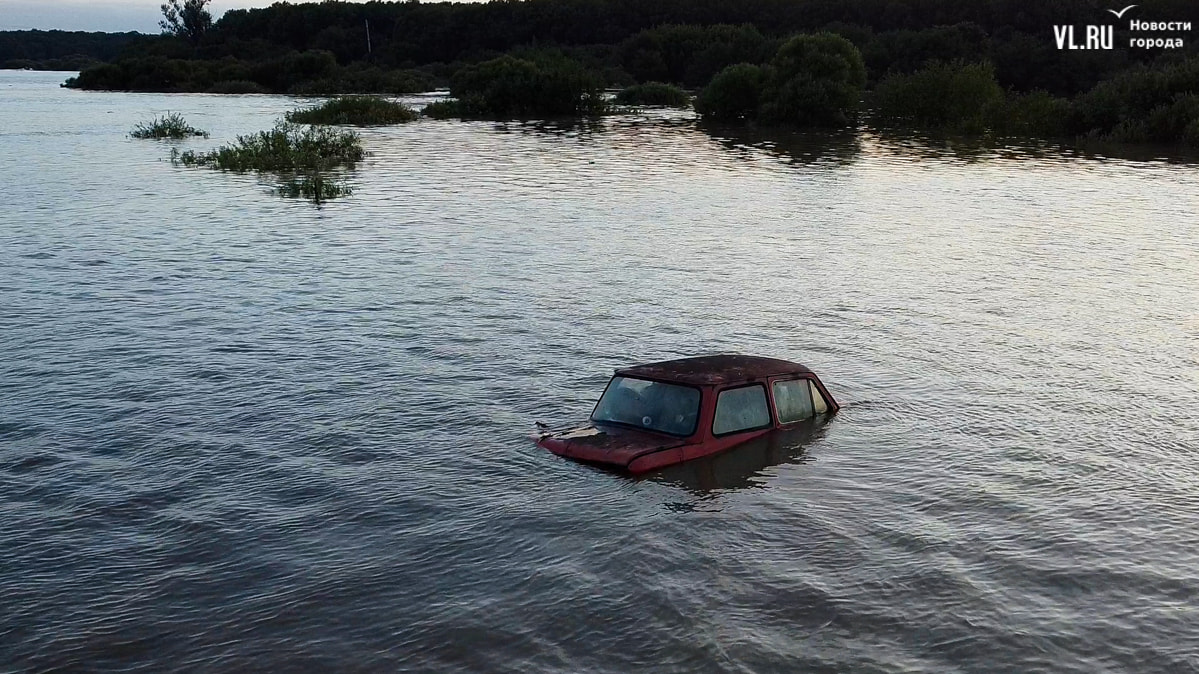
{"points": [[60, 50], [997, 59], [633, 38]]}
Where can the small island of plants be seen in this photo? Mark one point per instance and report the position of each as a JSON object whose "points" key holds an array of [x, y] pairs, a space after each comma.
{"points": [[812, 80], [354, 111], [287, 147], [301, 156], [171, 125], [546, 84]]}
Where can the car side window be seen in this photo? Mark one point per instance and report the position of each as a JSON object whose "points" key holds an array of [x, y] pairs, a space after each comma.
{"points": [[819, 404], [741, 409], [792, 400]]}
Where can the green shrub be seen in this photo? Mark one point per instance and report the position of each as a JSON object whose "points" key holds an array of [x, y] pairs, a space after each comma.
{"points": [[170, 125], [948, 96], [1143, 104], [512, 87], [287, 147], [815, 80], [734, 94], [654, 93], [100, 77], [355, 111]]}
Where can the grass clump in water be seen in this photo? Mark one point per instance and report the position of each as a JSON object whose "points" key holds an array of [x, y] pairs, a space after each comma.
{"points": [[354, 111], [170, 125], [287, 147]]}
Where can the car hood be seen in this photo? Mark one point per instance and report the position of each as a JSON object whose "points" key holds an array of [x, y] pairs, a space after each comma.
{"points": [[609, 445]]}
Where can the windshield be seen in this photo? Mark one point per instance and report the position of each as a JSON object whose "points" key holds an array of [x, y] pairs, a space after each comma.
{"points": [[666, 408]]}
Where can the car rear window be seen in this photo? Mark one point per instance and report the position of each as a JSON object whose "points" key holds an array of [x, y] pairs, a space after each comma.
{"points": [[793, 400]]}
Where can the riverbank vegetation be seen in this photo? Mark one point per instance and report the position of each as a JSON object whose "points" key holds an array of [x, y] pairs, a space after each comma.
{"points": [[549, 57], [171, 125], [1143, 105], [447, 109], [60, 49], [354, 111], [311, 73]]}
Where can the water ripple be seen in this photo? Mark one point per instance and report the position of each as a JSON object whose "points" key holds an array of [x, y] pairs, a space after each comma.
{"points": [[239, 432]]}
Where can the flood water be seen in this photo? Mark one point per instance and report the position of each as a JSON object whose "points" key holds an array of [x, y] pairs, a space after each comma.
{"points": [[240, 432]]}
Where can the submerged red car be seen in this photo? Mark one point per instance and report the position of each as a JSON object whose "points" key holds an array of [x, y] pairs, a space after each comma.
{"points": [[655, 415]]}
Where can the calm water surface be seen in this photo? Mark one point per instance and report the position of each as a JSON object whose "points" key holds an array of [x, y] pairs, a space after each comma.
{"points": [[244, 433]]}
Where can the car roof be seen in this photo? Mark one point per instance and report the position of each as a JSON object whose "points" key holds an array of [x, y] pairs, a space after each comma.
{"points": [[716, 369]]}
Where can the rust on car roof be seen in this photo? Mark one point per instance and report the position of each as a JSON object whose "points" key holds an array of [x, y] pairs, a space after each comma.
{"points": [[712, 370]]}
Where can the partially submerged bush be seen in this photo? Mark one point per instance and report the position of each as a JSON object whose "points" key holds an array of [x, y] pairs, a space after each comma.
{"points": [[813, 80], [1170, 122], [513, 87], [170, 125], [1156, 105], [356, 111], [654, 93], [948, 96], [287, 147], [734, 94], [966, 98], [447, 109]]}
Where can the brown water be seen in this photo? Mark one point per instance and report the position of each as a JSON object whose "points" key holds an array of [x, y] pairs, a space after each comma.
{"points": [[241, 432]]}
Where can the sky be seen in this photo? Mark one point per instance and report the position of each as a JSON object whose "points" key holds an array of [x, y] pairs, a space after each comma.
{"points": [[103, 15]]}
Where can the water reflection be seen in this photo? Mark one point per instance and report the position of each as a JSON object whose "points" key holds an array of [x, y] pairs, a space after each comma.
{"points": [[913, 144], [743, 467], [837, 148], [316, 187], [566, 127], [656, 120], [301, 423]]}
